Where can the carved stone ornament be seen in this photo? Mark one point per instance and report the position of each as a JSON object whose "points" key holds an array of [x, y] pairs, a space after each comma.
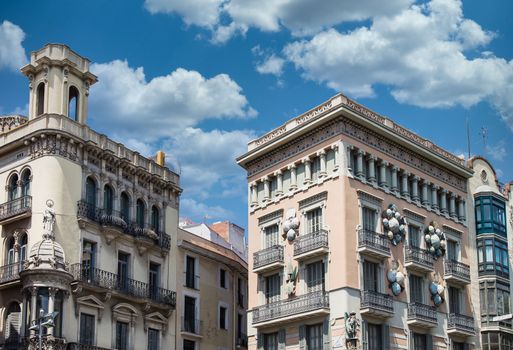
{"points": [[435, 240], [394, 224], [352, 325], [291, 225], [290, 285]]}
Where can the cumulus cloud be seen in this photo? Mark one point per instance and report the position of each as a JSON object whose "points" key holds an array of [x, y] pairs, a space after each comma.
{"points": [[271, 65], [128, 103], [421, 53], [198, 211], [12, 53], [498, 151], [203, 13]]}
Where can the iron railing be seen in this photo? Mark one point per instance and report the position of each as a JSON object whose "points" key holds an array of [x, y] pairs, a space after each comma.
{"points": [[373, 240], [191, 280], [191, 325], [15, 207], [11, 272], [268, 256], [133, 288], [377, 301], [419, 256], [311, 241], [422, 312], [48, 342], [457, 269], [114, 218], [461, 322], [78, 346], [283, 308]]}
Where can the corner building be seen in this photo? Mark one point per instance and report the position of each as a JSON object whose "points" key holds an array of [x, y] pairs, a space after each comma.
{"points": [[88, 226], [320, 254]]}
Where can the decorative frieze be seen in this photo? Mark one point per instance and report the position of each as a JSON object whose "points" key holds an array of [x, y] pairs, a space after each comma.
{"points": [[313, 199], [270, 217]]}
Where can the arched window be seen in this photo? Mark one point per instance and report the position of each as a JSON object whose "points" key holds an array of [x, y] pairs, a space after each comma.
{"points": [[25, 183], [108, 199], [155, 219], [73, 103], [13, 187], [125, 207], [10, 251], [23, 248], [40, 99], [140, 208], [91, 191]]}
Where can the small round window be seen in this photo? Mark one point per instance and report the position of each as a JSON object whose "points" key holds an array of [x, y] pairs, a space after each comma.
{"points": [[484, 176]]}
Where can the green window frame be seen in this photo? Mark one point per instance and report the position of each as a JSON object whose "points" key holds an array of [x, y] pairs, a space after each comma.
{"points": [[490, 215]]}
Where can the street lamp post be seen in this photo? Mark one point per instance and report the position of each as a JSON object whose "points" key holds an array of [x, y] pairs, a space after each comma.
{"points": [[43, 321]]}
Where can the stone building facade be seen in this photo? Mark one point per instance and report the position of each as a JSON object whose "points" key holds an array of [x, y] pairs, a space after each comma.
{"points": [[358, 236], [107, 263]]}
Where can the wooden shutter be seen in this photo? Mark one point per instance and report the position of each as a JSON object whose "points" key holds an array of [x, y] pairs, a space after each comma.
{"points": [[326, 334], [365, 339], [281, 339], [302, 337], [429, 341], [260, 341], [385, 333]]}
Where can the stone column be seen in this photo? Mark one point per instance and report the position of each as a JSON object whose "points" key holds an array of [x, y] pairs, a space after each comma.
{"points": [[51, 304], [452, 205], [267, 189], [394, 179], [405, 192], [34, 313], [322, 156], [372, 169], [279, 183], [415, 188], [443, 201], [434, 196], [336, 149], [359, 163], [461, 209], [308, 170], [254, 194], [293, 176], [425, 186], [383, 173]]}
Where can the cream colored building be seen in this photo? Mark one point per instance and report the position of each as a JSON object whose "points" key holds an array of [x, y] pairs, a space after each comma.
{"points": [[322, 254], [211, 288], [106, 263]]}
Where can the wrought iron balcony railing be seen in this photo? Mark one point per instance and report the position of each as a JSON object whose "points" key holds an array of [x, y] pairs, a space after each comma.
{"points": [[15, 207], [191, 325], [48, 342], [117, 219], [10, 272], [422, 312], [373, 240], [457, 269], [284, 308], [461, 322], [378, 301], [311, 241], [127, 286], [78, 346], [268, 256], [419, 256]]}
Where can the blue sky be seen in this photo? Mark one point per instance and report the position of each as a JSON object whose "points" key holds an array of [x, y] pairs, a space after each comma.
{"points": [[199, 78]]}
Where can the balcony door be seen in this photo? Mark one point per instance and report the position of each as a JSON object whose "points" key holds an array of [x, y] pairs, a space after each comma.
{"points": [[91, 192], [314, 337], [452, 250], [455, 300], [123, 260], [121, 336], [271, 236], [369, 219], [190, 272], [86, 329], [88, 259], [271, 341], [370, 276], [315, 276], [314, 220], [189, 316], [414, 236], [416, 289], [154, 279], [272, 288]]}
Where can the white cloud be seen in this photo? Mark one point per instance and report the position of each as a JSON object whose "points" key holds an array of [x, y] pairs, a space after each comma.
{"points": [[420, 53], [271, 65], [203, 13], [127, 103], [498, 151], [198, 211], [12, 53]]}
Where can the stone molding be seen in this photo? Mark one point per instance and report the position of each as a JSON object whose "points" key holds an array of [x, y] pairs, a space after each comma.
{"points": [[319, 197], [271, 216]]}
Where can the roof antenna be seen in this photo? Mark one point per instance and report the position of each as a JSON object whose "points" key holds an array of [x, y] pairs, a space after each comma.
{"points": [[468, 138], [484, 134]]}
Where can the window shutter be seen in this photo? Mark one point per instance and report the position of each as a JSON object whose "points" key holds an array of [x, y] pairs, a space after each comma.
{"points": [[386, 336], [429, 341], [365, 340], [326, 334], [302, 337], [281, 339], [260, 341]]}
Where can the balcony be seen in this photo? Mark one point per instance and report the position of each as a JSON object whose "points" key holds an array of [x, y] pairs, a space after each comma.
{"points": [[15, 209], [133, 290], [78, 346], [418, 259], [460, 325], [113, 224], [456, 272], [421, 315], [10, 273], [242, 340], [47, 342], [268, 259], [304, 306], [373, 244], [310, 245], [376, 304], [191, 326]]}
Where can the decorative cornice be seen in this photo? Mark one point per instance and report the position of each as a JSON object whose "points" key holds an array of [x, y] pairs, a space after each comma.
{"points": [[452, 230], [410, 214], [271, 216], [362, 195], [313, 199]]}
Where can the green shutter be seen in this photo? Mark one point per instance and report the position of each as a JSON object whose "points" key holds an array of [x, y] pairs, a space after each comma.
{"points": [[326, 334], [281, 339], [302, 337], [260, 341], [386, 336], [365, 340], [429, 341]]}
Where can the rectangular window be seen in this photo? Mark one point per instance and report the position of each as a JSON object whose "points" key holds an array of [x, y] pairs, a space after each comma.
{"points": [[370, 276], [452, 250], [222, 318], [121, 335], [414, 236], [240, 292], [87, 329], [419, 342], [190, 272], [189, 315], [314, 220], [188, 345], [314, 337], [123, 260], [454, 300], [222, 278], [271, 236], [416, 289], [154, 279], [88, 259], [153, 339], [315, 276], [272, 288], [375, 336], [369, 218], [271, 341], [240, 325]]}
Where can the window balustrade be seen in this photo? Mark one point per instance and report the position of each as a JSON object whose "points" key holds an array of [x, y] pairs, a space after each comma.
{"points": [[461, 323], [457, 270], [268, 256], [310, 242], [419, 257], [10, 272], [375, 300], [16, 207], [368, 239], [421, 312]]}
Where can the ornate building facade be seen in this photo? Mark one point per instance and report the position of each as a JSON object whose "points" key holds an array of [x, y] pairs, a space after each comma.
{"points": [[89, 226], [358, 236]]}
